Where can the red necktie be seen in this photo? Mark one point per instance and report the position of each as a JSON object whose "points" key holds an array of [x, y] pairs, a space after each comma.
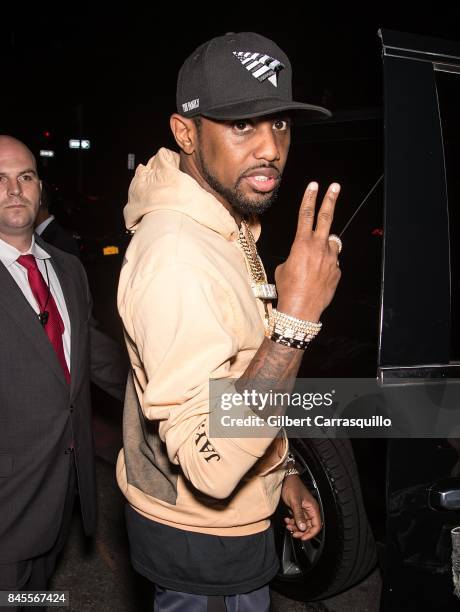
{"points": [[53, 326]]}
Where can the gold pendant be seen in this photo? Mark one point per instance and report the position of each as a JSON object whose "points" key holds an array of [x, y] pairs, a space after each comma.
{"points": [[264, 291]]}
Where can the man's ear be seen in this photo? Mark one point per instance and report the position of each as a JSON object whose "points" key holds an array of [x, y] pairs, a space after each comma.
{"points": [[184, 132]]}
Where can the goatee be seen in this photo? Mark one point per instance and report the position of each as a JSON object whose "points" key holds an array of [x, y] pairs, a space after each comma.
{"points": [[236, 198]]}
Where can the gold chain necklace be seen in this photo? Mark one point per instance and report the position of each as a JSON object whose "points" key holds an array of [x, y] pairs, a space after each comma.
{"points": [[259, 285]]}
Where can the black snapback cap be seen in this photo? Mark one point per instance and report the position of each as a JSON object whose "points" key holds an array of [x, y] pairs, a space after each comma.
{"points": [[238, 76]]}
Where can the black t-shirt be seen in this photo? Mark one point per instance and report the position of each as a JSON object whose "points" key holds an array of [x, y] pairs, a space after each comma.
{"points": [[200, 563]]}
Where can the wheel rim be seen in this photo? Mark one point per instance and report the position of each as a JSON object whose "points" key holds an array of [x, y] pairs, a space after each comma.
{"points": [[297, 557]]}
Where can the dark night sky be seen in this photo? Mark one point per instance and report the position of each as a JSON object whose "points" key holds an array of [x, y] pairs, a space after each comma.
{"points": [[110, 76], [126, 57]]}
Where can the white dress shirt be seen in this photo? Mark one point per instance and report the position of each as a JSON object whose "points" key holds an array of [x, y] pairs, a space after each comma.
{"points": [[9, 255]]}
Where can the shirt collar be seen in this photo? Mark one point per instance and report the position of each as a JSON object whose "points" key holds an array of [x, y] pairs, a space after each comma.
{"points": [[43, 225], [9, 253]]}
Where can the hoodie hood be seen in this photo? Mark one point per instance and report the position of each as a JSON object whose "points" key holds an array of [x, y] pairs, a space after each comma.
{"points": [[160, 185]]}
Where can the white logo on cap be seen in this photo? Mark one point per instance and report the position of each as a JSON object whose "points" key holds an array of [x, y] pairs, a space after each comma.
{"points": [[261, 66], [188, 106]]}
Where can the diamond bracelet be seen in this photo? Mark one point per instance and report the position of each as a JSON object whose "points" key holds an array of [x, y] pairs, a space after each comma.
{"points": [[290, 331]]}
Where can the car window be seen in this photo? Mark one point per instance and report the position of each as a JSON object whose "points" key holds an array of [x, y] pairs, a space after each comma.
{"points": [[448, 88]]}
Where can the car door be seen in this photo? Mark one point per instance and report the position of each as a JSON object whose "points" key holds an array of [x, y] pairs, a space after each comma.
{"points": [[419, 317], [401, 252]]}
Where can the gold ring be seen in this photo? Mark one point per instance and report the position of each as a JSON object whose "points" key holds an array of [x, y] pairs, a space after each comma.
{"points": [[336, 239]]}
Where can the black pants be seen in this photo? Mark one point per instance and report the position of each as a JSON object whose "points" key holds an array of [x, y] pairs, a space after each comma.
{"points": [[175, 601], [34, 574]]}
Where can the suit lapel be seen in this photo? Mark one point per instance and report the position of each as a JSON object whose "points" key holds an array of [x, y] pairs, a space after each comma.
{"points": [[18, 308]]}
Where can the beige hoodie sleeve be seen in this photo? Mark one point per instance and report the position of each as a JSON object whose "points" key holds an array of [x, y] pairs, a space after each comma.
{"points": [[183, 326]]}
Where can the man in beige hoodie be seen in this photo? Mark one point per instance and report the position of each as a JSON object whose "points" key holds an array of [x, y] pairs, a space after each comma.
{"points": [[196, 307]]}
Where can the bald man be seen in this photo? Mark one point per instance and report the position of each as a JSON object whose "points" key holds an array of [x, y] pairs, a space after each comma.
{"points": [[46, 444]]}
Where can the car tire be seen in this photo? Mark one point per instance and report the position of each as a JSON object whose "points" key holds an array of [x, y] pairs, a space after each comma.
{"points": [[344, 552]]}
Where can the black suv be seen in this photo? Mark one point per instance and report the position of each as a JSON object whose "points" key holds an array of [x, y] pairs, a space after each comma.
{"points": [[395, 318]]}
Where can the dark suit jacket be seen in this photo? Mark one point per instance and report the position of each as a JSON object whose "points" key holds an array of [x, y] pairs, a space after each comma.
{"points": [[109, 360], [40, 416], [58, 236]]}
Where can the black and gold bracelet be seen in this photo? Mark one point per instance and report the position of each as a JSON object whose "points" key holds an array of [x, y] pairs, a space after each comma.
{"points": [[290, 342]]}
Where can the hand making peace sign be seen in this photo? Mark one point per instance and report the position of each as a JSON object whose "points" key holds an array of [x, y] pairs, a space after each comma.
{"points": [[307, 280]]}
